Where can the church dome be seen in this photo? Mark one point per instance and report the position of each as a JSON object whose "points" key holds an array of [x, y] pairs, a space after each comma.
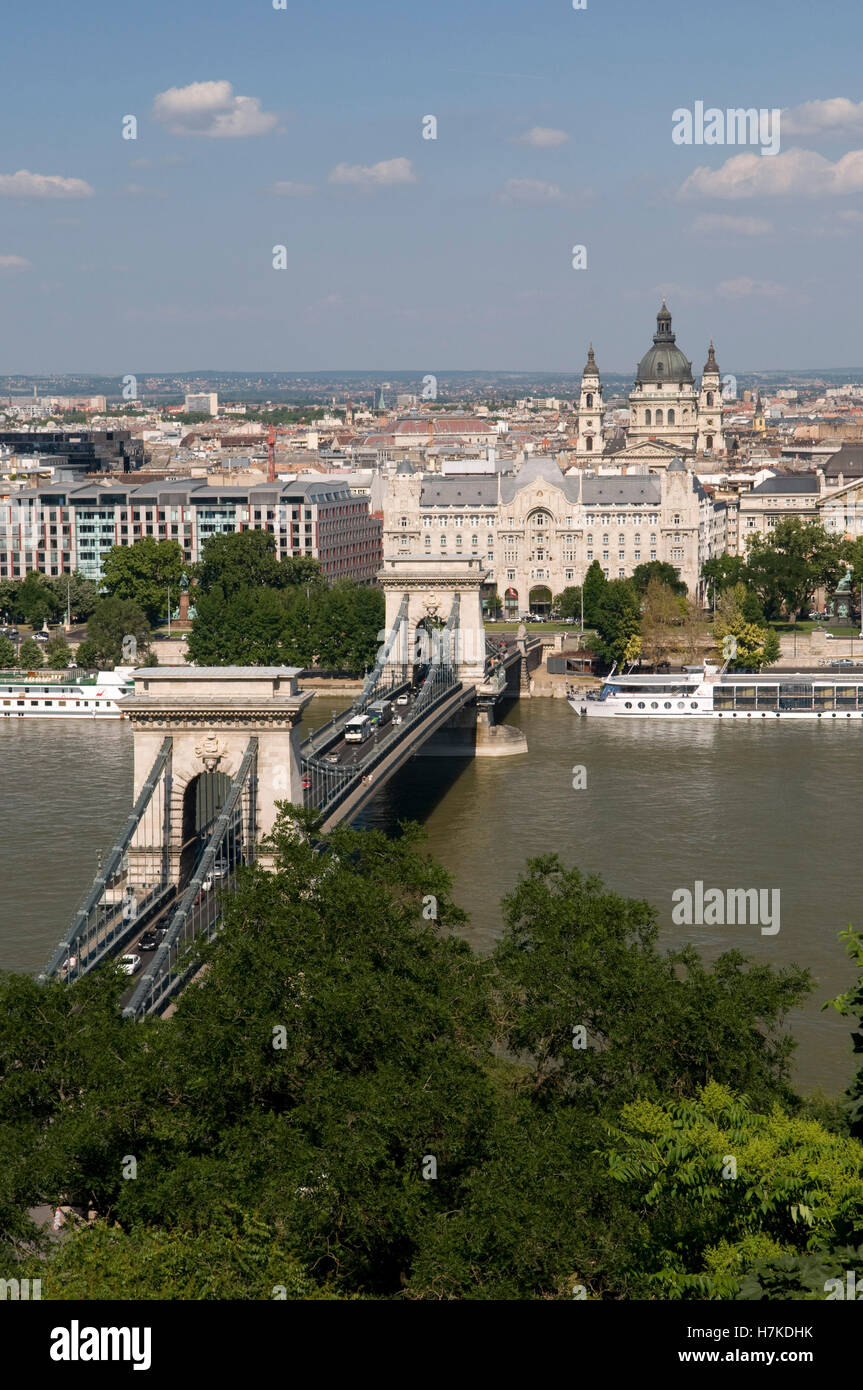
{"points": [[664, 361]]}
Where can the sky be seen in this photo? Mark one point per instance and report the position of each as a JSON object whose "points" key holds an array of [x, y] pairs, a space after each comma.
{"points": [[303, 128]]}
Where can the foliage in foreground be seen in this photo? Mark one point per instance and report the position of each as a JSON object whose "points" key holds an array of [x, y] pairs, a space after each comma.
{"points": [[353, 1104]]}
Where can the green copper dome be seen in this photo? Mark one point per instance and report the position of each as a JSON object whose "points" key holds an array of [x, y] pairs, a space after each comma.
{"points": [[664, 361]]}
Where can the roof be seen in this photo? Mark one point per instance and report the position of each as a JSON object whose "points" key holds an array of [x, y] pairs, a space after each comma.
{"points": [[848, 461], [796, 483], [664, 361]]}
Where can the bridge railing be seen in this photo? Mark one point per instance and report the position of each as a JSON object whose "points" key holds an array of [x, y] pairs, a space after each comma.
{"points": [[124, 893], [327, 784], [199, 913]]}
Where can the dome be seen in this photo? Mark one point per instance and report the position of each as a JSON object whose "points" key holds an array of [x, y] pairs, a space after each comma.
{"points": [[664, 361], [676, 466], [404, 466]]}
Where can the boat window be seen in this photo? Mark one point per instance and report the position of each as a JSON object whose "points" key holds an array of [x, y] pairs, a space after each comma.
{"points": [[641, 704], [628, 704]]}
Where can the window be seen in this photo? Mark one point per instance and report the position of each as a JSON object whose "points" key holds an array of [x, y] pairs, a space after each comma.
{"points": [[588, 443], [621, 540], [653, 538], [637, 556], [605, 540], [671, 417], [653, 554], [621, 574], [675, 520], [659, 417], [647, 418], [605, 555], [589, 555]]}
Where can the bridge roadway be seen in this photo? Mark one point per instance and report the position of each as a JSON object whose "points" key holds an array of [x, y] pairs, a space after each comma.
{"points": [[380, 756]]}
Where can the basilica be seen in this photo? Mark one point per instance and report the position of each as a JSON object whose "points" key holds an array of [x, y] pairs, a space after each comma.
{"points": [[669, 417]]}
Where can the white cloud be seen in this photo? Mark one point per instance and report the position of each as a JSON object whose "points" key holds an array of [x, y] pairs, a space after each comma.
{"points": [[14, 263], [795, 172], [837, 115], [542, 137], [211, 108], [293, 190], [532, 192], [381, 175], [27, 185], [720, 224], [746, 288]]}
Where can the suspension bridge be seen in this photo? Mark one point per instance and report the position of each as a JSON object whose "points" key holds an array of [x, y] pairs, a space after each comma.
{"points": [[216, 748]]}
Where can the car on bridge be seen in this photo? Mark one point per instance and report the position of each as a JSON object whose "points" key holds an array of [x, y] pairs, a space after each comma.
{"points": [[150, 941], [129, 964], [403, 699]]}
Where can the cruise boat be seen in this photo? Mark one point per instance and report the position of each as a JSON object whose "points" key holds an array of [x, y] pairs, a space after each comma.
{"points": [[63, 695], [709, 692]]}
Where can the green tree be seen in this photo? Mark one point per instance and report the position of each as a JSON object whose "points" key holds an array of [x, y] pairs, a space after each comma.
{"points": [[617, 617], [850, 1004], [568, 602], [595, 584], [83, 594], [247, 560], [30, 656], [660, 618], [8, 655], [576, 957], [723, 572], [722, 1187], [35, 600], [786, 566], [117, 634], [58, 653], [659, 570], [744, 644], [143, 574]]}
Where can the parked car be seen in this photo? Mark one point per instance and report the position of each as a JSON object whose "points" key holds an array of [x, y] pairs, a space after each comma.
{"points": [[829, 636], [42, 636], [129, 964], [843, 661]]}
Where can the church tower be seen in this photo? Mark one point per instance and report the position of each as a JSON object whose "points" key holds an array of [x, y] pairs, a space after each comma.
{"points": [[710, 439], [759, 424], [589, 439]]}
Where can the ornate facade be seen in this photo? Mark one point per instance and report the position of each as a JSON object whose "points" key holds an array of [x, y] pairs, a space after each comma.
{"points": [[538, 531]]}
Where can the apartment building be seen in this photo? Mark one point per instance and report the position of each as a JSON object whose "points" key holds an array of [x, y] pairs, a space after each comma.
{"points": [[59, 529]]}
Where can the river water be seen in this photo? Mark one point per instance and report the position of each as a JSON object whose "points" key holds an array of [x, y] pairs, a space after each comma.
{"points": [[665, 805]]}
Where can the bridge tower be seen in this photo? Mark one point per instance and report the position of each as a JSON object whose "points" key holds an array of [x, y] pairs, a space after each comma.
{"points": [[211, 713], [431, 585]]}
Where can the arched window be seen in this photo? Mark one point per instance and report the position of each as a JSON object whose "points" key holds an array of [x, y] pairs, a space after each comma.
{"points": [[671, 417], [590, 400], [710, 398], [708, 443], [659, 417], [647, 420], [588, 443]]}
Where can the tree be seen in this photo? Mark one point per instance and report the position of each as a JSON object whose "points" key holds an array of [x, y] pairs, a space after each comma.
{"points": [[30, 656], [786, 566], [660, 617], [694, 631], [723, 572], [82, 594], [595, 584], [660, 570], [247, 560], [849, 1004], [8, 655], [722, 1187], [144, 573], [568, 602], [617, 617], [744, 644], [58, 653], [117, 634], [35, 600], [603, 1017]]}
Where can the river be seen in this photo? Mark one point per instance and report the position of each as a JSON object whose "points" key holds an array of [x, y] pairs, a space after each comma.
{"points": [[664, 805]]}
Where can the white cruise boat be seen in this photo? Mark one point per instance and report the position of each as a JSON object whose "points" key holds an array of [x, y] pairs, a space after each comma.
{"points": [[60, 695], [710, 693]]}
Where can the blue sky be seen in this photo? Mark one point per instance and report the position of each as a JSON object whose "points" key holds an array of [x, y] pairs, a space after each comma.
{"points": [[553, 129]]}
